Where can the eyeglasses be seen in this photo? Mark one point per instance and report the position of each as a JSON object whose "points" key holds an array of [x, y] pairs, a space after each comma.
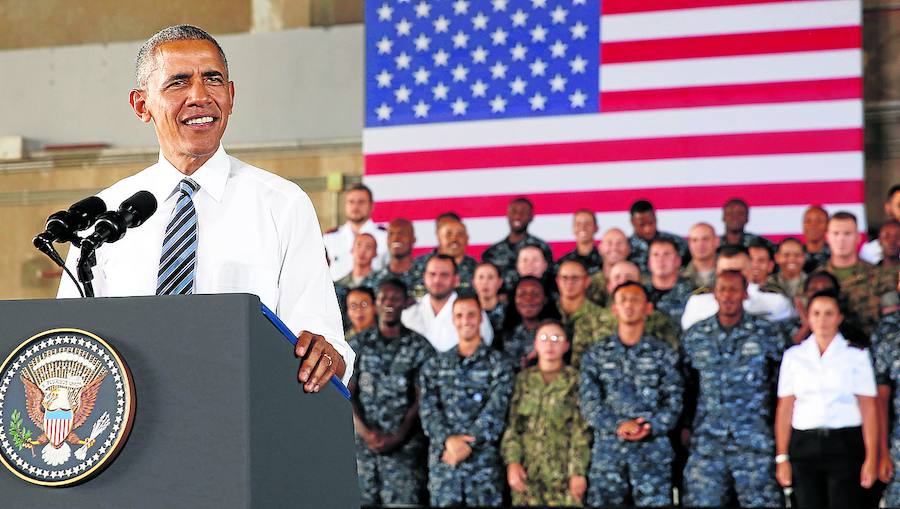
{"points": [[553, 338], [361, 305]]}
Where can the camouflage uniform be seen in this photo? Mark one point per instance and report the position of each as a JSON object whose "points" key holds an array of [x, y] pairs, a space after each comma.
{"points": [[548, 436], [886, 348], [604, 324], [867, 289], [640, 249], [503, 255], [596, 292], [775, 283], [699, 280], [466, 396], [497, 316], [465, 269], [732, 438], [384, 376], [747, 239], [375, 278], [588, 324], [341, 291], [517, 344], [816, 260], [593, 261], [620, 383], [672, 301]]}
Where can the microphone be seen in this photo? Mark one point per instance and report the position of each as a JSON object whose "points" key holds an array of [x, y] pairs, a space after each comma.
{"points": [[112, 225], [61, 226]]}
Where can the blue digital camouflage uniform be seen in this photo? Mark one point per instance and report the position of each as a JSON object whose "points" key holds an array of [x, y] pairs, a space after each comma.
{"points": [[518, 344], [547, 436], [672, 301], [886, 351], [466, 396], [497, 316], [620, 383], [593, 261], [503, 255], [817, 259], [341, 291], [732, 441], [747, 239], [465, 269], [376, 277], [384, 380], [640, 249]]}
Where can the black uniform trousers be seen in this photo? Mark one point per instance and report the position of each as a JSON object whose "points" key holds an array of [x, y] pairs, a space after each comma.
{"points": [[826, 464]]}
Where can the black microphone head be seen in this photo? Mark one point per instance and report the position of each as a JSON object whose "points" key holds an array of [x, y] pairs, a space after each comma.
{"points": [[136, 209], [82, 214]]}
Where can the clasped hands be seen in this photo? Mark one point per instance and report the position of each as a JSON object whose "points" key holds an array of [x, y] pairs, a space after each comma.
{"points": [[634, 430]]}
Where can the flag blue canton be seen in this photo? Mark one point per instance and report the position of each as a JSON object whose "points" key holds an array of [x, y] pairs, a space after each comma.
{"points": [[447, 60]]}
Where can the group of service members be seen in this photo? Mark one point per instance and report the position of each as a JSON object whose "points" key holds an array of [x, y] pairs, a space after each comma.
{"points": [[649, 372]]}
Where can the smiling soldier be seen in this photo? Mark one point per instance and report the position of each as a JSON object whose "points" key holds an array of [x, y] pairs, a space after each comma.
{"points": [[222, 225]]}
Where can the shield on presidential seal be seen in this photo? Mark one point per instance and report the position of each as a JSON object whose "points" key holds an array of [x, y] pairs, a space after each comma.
{"points": [[66, 407]]}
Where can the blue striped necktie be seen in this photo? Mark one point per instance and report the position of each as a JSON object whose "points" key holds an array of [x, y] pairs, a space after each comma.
{"points": [[178, 262]]}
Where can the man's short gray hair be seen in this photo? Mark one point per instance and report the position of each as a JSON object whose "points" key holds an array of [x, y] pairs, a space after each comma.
{"points": [[146, 56]]}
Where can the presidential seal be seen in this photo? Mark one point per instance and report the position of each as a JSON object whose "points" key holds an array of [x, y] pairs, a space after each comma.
{"points": [[66, 407]]}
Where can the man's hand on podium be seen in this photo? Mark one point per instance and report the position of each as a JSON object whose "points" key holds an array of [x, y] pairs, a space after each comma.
{"points": [[319, 361]]}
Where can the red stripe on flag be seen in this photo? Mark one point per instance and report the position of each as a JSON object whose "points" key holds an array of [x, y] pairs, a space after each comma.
{"points": [[631, 6], [802, 193], [721, 95], [785, 41], [563, 247], [792, 142]]}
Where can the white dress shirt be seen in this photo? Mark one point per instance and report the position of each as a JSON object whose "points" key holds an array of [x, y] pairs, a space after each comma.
{"points": [[771, 306], [339, 243], [438, 329], [871, 252], [825, 386], [257, 233]]}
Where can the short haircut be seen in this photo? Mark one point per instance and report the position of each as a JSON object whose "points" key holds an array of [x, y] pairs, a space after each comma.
{"points": [[736, 201], [821, 275], [528, 279], [393, 281], [732, 250], [630, 284], [732, 273], [893, 190], [574, 261], [363, 289], [828, 293], [892, 222], [143, 63], [843, 215], [664, 240], [487, 264], [466, 297], [790, 240], [361, 187], [551, 321], [523, 200], [446, 258], [587, 212], [448, 215], [817, 208], [640, 207], [759, 243]]}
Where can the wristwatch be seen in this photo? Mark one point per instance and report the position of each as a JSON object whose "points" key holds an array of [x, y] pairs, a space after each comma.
{"points": [[781, 458]]}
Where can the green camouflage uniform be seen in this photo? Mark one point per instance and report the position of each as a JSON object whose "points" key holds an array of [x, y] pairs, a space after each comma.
{"points": [[700, 280], [596, 292], [867, 289], [547, 435]]}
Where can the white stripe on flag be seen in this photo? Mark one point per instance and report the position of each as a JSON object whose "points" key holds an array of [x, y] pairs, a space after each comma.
{"points": [[616, 126], [728, 20], [660, 173]]}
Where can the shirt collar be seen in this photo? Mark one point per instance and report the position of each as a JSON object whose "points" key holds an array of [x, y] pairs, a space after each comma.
{"points": [[212, 176], [838, 343]]}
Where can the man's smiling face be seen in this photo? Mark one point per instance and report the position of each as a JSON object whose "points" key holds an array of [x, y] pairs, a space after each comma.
{"points": [[188, 98]]}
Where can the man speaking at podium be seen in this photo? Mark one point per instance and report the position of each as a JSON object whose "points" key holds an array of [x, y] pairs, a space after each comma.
{"points": [[222, 226]]}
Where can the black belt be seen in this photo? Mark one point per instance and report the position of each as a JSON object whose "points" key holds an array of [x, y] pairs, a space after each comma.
{"points": [[829, 432]]}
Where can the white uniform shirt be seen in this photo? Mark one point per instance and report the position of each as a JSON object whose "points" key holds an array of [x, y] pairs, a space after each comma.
{"points": [[339, 243], [825, 386], [771, 306], [871, 252], [257, 233], [439, 329]]}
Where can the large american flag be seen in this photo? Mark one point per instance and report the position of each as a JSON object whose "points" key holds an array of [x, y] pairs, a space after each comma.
{"points": [[590, 104]]}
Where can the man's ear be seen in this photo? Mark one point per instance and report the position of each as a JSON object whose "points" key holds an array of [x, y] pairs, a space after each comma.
{"points": [[139, 105]]}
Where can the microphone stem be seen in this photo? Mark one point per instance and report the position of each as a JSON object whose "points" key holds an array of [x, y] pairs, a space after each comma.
{"points": [[86, 262]]}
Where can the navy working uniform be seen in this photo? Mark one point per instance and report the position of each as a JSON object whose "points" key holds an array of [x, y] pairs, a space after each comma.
{"points": [[640, 249], [503, 255], [672, 301], [621, 383], [466, 396], [886, 347], [385, 377], [732, 441]]}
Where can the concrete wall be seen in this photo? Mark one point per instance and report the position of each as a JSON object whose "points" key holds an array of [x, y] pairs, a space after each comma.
{"points": [[297, 84]]}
